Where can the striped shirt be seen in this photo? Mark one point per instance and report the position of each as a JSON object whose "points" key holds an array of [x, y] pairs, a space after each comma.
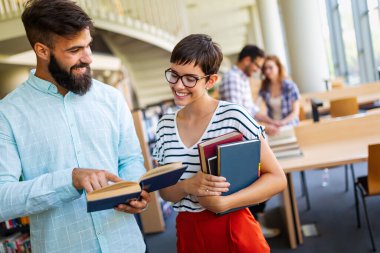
{"points": [[169, 148]]}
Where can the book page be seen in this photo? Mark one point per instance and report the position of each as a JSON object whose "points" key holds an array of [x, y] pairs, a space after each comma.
{"points": [[161, 170], [116, 189]]}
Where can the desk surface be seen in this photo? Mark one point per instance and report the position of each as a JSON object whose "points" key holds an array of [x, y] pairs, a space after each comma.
{"points": [[365, 93], [334, 142]]}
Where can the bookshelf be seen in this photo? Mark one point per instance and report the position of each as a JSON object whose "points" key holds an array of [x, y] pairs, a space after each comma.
{"points": [[145, 120], [14, 236]]}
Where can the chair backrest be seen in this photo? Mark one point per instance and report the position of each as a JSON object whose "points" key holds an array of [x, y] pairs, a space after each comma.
{"points": [[344, 107], [374, 169], [337, 84]]}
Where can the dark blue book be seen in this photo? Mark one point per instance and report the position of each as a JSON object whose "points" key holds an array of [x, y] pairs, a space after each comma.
{"points": [[125, 191], [239, 163]]}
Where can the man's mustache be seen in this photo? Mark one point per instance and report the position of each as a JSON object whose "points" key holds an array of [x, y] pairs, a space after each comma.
{"points": [[81, 65]]}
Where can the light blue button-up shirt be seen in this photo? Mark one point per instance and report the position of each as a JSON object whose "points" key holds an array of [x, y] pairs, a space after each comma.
{"points": [[43, 136]]}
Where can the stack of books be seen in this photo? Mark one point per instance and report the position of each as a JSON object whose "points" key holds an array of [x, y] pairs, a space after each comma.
{"points": [[284, 144], [230, 156]]}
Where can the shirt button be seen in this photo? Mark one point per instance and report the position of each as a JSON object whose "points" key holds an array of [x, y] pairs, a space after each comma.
{"points": [[98, 233]]}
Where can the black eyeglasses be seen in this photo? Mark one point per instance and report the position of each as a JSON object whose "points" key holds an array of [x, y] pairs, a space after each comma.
{"points": [[188, 80], [257, 65]]}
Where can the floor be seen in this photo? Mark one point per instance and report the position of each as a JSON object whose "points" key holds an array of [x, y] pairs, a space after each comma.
{"points": [[332, 211]]}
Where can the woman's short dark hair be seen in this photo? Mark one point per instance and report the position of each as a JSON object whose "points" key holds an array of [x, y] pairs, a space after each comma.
{"points": [[200, 49], [45, 18], [252, 51]]}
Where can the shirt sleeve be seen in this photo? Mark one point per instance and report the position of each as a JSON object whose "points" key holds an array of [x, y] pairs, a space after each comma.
{"points": [[131, 161], [294, 92], [17, 198], [158, 147], [232, 91]]}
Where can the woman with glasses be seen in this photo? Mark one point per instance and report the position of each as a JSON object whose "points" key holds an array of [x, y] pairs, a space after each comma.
{"points": [[195, 62], [280, 94]]}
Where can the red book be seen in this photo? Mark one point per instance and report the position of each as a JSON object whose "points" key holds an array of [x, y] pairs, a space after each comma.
{"points": [[209, 148]]}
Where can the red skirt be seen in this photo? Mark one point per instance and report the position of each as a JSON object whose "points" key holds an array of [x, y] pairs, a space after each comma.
{"points": [[205, 232]]}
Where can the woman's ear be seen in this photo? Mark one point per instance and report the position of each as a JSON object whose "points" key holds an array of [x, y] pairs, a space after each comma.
{"points": [[211, 81], [42, 51]]}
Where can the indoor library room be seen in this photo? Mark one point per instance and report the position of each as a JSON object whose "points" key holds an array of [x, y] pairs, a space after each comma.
{"points": [[101, 152]]}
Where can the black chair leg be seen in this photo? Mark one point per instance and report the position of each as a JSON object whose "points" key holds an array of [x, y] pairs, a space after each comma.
{"points": [[352, 172], [304, 189], [357, 205], [368, 223], [302, 180], [346, 176]]}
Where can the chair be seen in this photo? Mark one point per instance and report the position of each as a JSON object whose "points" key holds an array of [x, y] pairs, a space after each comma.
{"points": [[344, 107], [338, 108], [369, 186]]}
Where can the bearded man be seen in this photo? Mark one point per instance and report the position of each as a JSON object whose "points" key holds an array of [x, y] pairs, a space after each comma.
{"points": [[66, 135]]}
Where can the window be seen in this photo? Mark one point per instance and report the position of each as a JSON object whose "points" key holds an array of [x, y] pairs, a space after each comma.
{"points": [[374, 23]]}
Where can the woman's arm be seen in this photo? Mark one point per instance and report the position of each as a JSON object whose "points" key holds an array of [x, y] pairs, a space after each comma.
{"points": [[199, 185]]}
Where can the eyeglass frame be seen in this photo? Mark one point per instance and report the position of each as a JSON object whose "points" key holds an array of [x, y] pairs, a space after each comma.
{"points": [[180, 77], [257, 65]]}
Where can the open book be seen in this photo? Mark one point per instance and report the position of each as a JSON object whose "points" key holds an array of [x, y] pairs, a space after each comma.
{"points": [[125, 191]]}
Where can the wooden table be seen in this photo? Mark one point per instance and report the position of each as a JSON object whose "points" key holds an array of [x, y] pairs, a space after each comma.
{"points": [[326, 144], [365, 93]]}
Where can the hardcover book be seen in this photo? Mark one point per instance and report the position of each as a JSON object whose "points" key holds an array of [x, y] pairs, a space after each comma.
{"points": [[209, 148], [125, 191], [239, 163]]}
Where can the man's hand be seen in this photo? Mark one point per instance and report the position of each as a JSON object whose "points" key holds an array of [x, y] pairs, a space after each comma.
{"points": [[92, 179], [135, 206]]}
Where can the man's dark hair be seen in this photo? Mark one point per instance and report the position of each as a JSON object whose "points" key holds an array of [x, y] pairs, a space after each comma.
{"points": [[252, 51], [45, 18], [200, 49]]}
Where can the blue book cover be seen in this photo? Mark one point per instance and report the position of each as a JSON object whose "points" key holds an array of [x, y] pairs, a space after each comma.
{"points": [[239, 163], [125, 191]]}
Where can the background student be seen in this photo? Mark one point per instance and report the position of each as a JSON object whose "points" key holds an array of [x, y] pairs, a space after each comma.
{"points": [[67, 134], [235, 86], [280, 94], [195, 61]]}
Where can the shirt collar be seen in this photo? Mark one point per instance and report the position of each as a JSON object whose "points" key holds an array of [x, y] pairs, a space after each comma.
{"points": [[40, 84], [240, 72]]}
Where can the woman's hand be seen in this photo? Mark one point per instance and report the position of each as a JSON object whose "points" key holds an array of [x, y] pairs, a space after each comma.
{"points": [[216, 204], [205, 185]]}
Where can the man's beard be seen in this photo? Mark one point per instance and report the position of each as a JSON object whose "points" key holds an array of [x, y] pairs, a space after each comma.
{"points": [[78, 84], [247, 71]]}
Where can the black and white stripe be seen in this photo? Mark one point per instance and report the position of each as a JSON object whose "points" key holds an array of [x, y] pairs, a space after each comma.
{"points": [[169, 147]]}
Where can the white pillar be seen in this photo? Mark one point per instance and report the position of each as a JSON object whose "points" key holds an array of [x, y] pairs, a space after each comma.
{"points": [[307, 55], [271, 29]]}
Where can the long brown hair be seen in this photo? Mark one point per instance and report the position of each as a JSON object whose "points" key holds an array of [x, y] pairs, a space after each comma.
{"points": [[281, 72]]}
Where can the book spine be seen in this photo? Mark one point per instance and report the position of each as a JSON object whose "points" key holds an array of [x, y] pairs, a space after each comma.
{"points": [[202, 159]]}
